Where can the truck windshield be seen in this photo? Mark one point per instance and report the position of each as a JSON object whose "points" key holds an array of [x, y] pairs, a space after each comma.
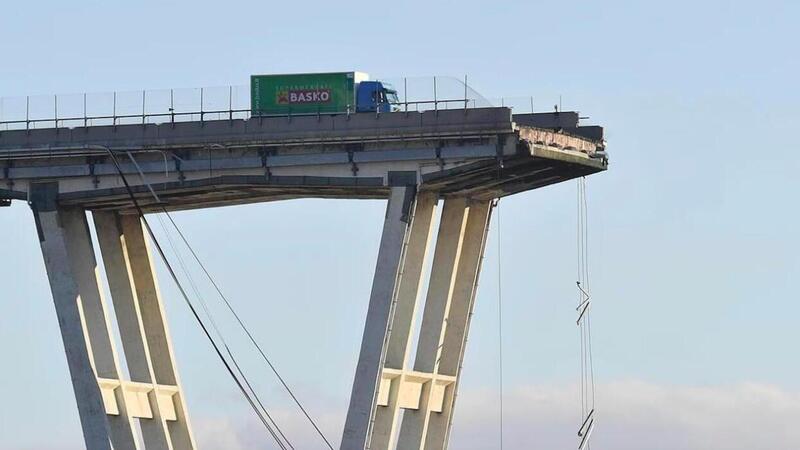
{"points": [[391, 96]]}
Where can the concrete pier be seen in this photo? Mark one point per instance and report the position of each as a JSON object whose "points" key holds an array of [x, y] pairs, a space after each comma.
{"points": [[109, 405], [460, 159], [62, 235]]}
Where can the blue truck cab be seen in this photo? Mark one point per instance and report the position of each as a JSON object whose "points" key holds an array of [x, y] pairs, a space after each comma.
{"points": [[376, 96]]}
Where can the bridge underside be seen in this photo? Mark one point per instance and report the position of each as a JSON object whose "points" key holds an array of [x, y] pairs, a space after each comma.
{"points": [[477, 153], [481, 180], [462, 160]]}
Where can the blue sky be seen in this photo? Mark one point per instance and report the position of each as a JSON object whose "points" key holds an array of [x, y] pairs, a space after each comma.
{"points": [[694, 249]]}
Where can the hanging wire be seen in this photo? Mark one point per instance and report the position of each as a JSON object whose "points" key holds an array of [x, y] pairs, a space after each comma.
{"points": [[588, 317], [587, 382], [248, 396], [500, 318], [581, 299], [247, 332], [229, 307], [219, 334]]}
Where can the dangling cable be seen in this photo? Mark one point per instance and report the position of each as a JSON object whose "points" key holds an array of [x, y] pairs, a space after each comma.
{"points": [[248, 333], [188, 302], [588, 318], [230, 308], [587, 383], [221, 337], [500, 317]]}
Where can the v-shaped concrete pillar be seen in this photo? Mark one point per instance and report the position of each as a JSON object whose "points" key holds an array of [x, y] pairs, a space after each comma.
{"points": [[383, 385], [109, 405], [144, 332]]}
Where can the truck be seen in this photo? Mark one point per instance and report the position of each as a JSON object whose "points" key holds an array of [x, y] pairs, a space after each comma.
{"points": [[319, 93]]}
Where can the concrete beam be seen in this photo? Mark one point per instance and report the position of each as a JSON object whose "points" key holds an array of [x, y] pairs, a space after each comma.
{"points": [[456, 326], [442, 281], [413, 264], [455, 332], [61, 269], [97, 326], [206, 163], [440, 290], [156, 333], [379, 313], [448, 306], [114, 248]]}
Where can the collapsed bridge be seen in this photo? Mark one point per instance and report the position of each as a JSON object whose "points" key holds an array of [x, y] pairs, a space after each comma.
{"points": [[464, 159]]}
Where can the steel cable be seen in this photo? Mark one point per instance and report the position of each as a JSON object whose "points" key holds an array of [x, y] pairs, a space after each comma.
{"points": [[231, 309], [216, 329], [249, 334], [188, 302], [587, 381], [500, 319]]}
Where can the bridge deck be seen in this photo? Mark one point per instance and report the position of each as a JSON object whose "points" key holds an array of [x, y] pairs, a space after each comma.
{"points": [[482, 153]]}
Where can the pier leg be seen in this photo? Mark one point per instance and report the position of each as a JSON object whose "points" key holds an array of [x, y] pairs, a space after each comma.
{"points": [[414, 261], [72, 271], [448, 306], [379, 314], [107, 404], [384, 385], [148, 350], [454, 336]]}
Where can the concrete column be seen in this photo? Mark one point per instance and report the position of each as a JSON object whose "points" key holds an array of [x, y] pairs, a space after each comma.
{"points": [[143, 331], [379, 314], [156, 329], [448, 307], [413, 264], [440, 289], [443, 277], [62, 267], [97, 327], [126, 306], [453, 342]]}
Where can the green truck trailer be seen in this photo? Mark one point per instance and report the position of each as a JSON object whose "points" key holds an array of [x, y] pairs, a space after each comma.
{"points": [[319, 93]]}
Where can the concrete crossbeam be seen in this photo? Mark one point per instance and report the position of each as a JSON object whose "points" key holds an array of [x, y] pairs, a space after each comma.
{"points": [[408, 384], [138, 397]]}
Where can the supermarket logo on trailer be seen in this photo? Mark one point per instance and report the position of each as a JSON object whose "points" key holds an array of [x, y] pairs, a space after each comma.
{"points": [[295, 96]]}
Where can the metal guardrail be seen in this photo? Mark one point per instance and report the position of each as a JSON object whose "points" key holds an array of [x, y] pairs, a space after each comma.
{"points": [[221, 103], [230, 113]]}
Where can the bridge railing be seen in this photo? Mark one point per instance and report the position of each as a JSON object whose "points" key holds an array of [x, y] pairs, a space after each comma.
{"points": [[213, 103]]}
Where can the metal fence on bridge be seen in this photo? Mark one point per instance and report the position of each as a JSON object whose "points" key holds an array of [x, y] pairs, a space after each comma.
{"points": [[215, 103]]}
